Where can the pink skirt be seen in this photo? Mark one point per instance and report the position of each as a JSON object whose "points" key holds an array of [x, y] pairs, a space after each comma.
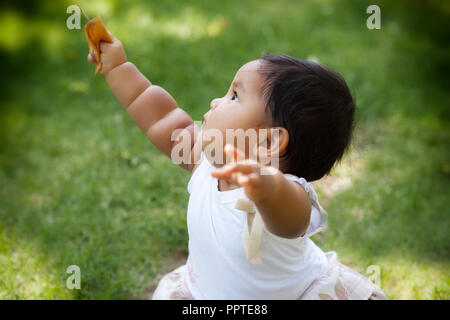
{"points": [[338, 282]]}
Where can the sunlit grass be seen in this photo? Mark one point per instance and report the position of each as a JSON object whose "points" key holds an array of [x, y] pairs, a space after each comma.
{"points": [[18, 31], [27, 273], [189, 24], [409, 278]]}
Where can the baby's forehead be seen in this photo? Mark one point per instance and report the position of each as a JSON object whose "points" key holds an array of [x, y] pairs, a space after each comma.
{"points": [[248, 74], [250, 66]]}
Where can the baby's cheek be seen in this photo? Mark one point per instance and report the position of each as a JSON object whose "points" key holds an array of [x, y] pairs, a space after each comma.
{"points": [[212, 140]]}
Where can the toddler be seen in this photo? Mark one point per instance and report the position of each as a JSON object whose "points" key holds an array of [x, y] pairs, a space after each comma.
{"points": [[250, 221]]}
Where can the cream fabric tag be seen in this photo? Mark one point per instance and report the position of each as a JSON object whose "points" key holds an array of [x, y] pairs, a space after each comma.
{"points": [[253, 228]]}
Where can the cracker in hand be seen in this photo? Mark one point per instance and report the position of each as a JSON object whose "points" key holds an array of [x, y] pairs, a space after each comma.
{"points": [[95, 33]]}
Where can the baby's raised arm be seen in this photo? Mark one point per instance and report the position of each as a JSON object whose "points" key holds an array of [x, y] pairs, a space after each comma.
{"points": [[151, 107]]}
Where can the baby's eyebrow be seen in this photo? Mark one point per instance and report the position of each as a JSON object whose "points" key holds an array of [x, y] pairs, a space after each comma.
{"points": [[239, 85]]}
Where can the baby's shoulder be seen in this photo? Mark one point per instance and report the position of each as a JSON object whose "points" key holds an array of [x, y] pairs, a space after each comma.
{"points": [[201, 159], [196, 165]]}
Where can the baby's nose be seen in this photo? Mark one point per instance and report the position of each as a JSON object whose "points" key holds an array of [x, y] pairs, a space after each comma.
{"points": [[206, 115], [214, 103]]}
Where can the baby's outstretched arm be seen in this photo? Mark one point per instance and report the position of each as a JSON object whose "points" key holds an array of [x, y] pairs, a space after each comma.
{"points": [[151, 107], [284, 205]]}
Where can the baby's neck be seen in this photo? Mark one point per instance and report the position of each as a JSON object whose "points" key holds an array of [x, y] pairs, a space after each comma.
{"points": [[224, 185]]}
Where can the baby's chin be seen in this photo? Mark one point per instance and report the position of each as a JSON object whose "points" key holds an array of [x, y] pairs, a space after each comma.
{"points": [[212, 142], [214, 156], [212, 150]]}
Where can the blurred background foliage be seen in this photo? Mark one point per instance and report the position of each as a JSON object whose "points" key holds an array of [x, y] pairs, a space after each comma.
{"points": [[80, 184]]}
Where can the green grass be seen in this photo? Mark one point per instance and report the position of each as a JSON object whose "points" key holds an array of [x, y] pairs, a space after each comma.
{"points": [[80, 184]]}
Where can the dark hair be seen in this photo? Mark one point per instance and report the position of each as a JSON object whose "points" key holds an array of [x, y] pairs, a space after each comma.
{"points": [[315, 106]]}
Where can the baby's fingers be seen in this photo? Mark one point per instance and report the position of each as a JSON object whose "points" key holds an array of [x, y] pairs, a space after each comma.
{"points": [[222, 173], [233, 154], [91, 57], [226, 171], [251, 179], [106, 46], [112, 36]]}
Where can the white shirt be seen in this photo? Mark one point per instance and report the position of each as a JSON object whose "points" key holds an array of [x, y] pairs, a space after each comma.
{"points": [[217, 264]]}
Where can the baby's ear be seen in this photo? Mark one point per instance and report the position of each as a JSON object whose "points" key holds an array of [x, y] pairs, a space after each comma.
{"points": [[273, 143], [277, 141]]}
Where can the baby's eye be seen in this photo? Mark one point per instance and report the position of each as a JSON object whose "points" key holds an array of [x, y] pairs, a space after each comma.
{"points": [[235, 96]]}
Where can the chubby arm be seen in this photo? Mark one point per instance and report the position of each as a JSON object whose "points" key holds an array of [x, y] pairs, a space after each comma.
{"points": [[283, 204], [151, 107], [286, 210]]}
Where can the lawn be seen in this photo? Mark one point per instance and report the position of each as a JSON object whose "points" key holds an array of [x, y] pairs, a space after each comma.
{"points": [[81, 185]]}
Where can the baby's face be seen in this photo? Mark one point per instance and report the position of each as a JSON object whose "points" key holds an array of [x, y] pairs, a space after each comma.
{"points": [[242, 107]]}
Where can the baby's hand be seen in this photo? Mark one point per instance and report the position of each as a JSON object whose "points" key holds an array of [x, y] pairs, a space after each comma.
{"points": [[111, 56], [246, 174]]}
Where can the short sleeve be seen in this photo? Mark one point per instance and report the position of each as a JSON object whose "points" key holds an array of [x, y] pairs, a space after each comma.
{"points": [[318, 215], [194, 176]]}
